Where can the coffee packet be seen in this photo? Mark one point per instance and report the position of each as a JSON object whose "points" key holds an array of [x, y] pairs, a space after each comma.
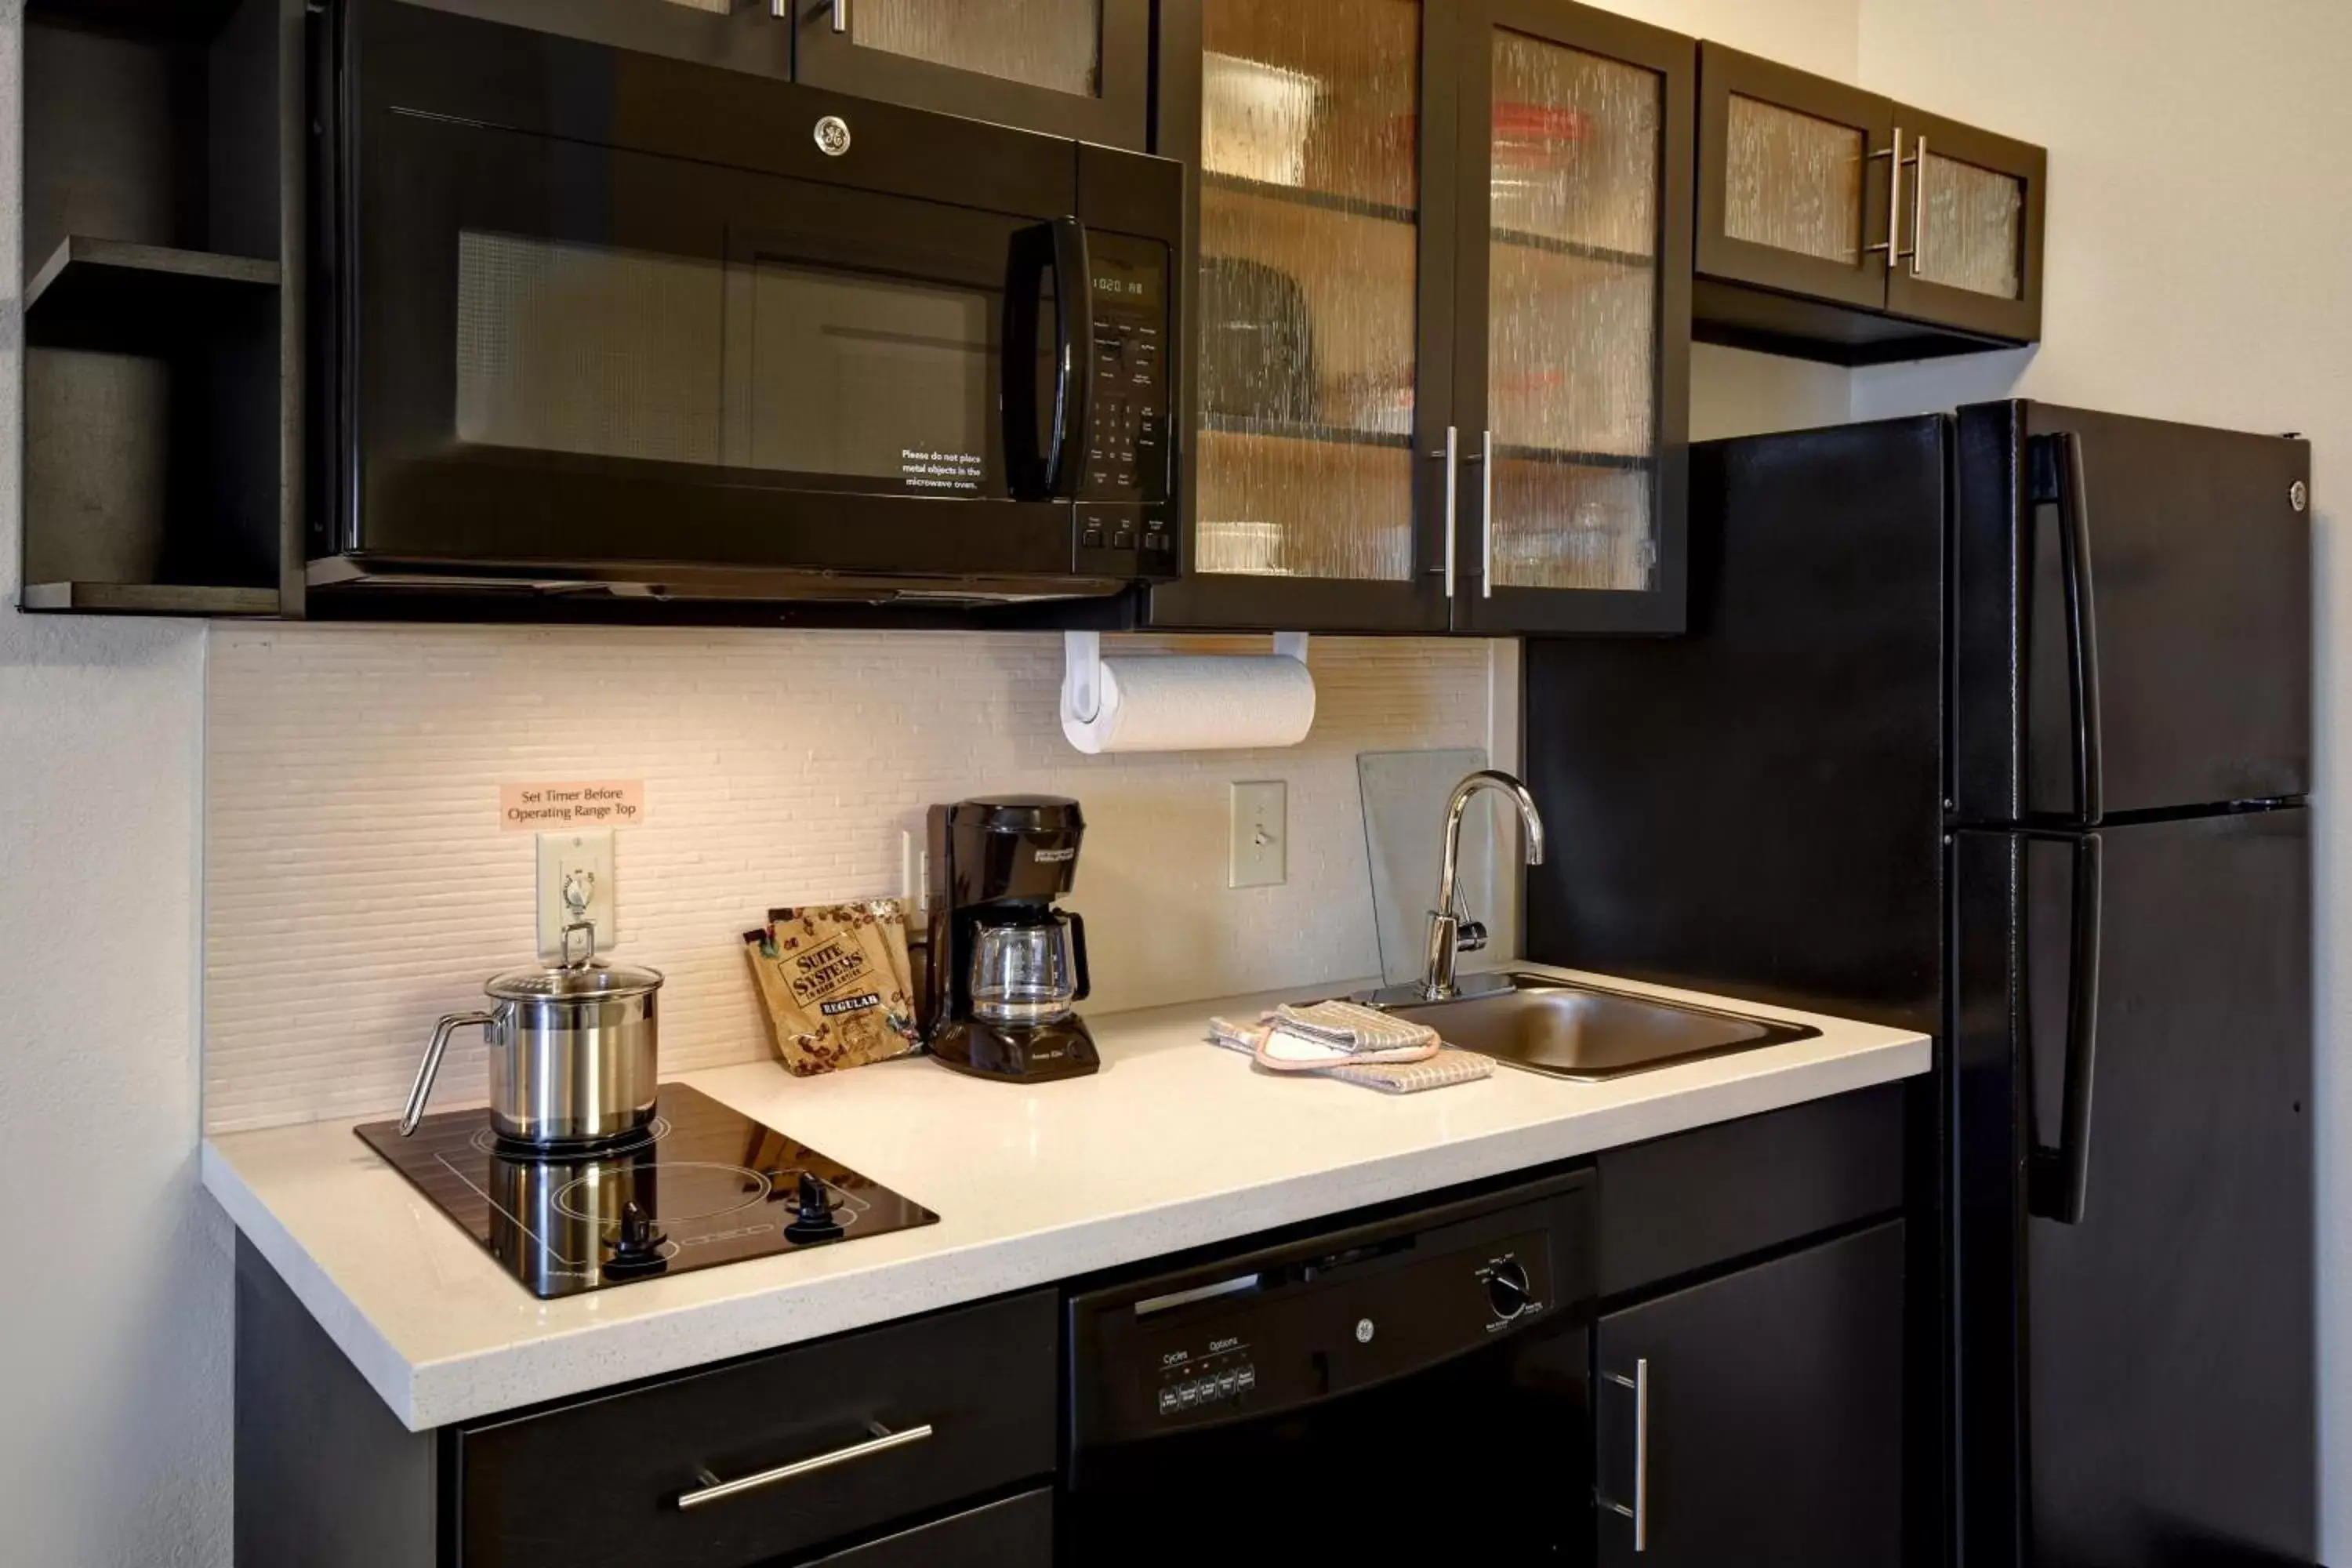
{"points": [[890, 918], [832, 997]]}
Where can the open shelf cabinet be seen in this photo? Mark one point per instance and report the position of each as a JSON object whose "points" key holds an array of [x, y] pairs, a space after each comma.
{"points": [[163, 350]]}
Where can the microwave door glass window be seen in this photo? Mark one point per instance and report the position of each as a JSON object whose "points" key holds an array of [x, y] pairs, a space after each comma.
{"points": [[579, 347], [1052, 44], [872, 378], [854, 380]]}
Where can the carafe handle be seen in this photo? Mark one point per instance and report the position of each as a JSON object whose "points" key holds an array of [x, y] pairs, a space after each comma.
{"points": [[1078, 952], [431, 1064]]}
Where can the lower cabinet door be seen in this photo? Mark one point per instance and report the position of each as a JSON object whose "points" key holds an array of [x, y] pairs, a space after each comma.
{"points": [[1758, 1418], [1017, 1532]]}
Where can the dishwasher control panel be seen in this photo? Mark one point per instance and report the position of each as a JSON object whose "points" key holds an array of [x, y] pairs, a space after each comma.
{"points": [[1285, 1330]]}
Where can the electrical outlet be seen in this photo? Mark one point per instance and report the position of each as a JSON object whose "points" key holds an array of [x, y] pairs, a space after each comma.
{"points": [[1261, 834], [588, 858]]}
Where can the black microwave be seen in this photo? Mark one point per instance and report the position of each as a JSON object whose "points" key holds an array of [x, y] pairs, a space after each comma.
{"points": [[588, 321]]}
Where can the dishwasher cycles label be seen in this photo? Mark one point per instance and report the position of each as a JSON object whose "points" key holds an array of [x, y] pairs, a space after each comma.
{"points": [[1218, 1378]]}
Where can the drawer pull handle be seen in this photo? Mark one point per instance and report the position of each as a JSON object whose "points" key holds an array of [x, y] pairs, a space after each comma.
{"points": [[882, 1442]]}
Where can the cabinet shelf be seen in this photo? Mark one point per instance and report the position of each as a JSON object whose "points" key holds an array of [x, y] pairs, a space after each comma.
{"points": [[150, 599], [1326, 435], [1571, 458], [119, 289], [1302, 197], [1551, 245]]}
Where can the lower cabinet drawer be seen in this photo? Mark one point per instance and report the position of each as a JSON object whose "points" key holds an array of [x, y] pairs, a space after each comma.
{"points": [[1015, 1533], [755, 1461]]}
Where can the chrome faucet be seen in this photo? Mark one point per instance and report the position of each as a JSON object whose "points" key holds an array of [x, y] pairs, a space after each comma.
{"points": [[1449, 934]]}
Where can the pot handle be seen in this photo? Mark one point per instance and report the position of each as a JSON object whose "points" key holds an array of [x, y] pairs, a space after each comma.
{"points": [[432, 1064]]}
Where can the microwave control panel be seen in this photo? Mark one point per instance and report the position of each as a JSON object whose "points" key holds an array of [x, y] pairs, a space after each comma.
{"points": [[1123, 499]]}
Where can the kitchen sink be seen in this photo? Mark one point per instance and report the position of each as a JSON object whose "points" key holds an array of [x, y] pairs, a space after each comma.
{"points": [[1582, 1032]]}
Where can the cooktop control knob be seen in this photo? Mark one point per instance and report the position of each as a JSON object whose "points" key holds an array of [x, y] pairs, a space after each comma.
{"points": [[638, 1248], [814, 1218], [1506, 1288]]}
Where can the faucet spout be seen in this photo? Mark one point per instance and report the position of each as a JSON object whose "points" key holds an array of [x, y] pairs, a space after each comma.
{"points": [[1446, 936]]}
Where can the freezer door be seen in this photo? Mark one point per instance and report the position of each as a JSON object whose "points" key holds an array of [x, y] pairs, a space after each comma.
{"points": [[2132, 1094], [2131, 616]]}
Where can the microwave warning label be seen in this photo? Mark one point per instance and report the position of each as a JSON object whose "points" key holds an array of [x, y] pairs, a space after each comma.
{"points": [[928, 471]]}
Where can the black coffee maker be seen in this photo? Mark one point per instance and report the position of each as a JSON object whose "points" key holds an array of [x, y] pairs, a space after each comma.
{"points": [[1007, 967]]}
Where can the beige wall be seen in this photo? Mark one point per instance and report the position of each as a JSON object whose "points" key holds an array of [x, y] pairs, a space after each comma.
{"points": [[2200, 220]]}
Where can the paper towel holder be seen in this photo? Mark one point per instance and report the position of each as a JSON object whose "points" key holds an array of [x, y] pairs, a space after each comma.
{"points": [[1082, 668]]}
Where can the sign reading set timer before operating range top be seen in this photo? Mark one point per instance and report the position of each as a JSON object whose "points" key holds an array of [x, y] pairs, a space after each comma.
{"points": [[601, 803]]}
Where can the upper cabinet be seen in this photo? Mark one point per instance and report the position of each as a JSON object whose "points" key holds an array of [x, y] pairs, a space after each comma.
{"points": [[1069, 67], [1838, 225], [1442, 307], [1572, 367], [1072, 67]]}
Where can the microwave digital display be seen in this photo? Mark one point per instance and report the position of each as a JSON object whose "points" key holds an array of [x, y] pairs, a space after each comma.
{"points": [[1125, 284]]}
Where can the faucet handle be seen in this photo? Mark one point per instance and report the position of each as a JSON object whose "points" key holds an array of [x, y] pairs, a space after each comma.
{"points": [[1470, 936]]}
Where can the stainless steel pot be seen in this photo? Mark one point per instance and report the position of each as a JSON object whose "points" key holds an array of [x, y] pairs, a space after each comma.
{"points": [[574, 1053]]}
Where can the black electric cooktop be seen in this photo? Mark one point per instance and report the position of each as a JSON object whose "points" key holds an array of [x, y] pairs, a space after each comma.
{"points": [[702, 1185]]}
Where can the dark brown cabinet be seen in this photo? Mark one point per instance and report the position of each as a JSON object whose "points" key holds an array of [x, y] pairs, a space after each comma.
{"points": [[1079, 68], [1838, 225], [1442, 315], [1757, 1418]]}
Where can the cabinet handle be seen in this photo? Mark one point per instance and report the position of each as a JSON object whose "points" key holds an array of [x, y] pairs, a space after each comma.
{"points": [[1639, 1511], [1487, 521], [882, 1442], [1453, 498], [1918, 203], [1894, 201]]}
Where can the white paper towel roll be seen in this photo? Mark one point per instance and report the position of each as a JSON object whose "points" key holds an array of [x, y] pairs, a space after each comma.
{"points": [[1174, 702]]}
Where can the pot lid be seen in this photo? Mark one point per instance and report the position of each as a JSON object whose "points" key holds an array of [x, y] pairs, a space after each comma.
{"points": [[583, 976], [598, 980]]}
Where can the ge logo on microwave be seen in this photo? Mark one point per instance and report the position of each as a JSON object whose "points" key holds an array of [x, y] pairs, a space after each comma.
{"points": [[832, 136]]}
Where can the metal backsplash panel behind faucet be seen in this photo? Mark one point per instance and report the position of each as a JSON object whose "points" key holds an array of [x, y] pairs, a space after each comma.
{"points": [[1405, 795]]}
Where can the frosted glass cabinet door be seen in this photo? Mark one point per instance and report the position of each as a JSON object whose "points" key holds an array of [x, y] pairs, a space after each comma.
{"points": [[1574, 259], [1318, 310], [1793, 180], [1971, 254], [1069, 67]]}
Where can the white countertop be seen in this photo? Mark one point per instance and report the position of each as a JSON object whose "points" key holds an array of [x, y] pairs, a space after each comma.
{"points": [[1175, 1144]]}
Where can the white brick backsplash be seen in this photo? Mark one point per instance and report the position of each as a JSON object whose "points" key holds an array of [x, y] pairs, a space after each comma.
{"points": [[357, 884]]}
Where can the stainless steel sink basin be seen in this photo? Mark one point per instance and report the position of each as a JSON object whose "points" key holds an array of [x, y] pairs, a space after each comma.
{"points": [[1581, 1032]]}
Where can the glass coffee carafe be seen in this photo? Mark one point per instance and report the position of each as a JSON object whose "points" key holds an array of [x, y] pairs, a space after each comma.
{"points": [[1031, 972]]}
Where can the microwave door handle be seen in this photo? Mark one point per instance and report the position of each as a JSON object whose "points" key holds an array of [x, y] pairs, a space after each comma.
{"points": [[1031, 256], [1074, 358]]}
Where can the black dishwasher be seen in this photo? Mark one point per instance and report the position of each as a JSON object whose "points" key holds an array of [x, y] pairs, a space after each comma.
{"points": [[1413, 1387]]}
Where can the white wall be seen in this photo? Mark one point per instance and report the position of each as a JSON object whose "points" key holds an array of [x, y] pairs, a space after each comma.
{"points": [[2201, 218], [114, 1322]]}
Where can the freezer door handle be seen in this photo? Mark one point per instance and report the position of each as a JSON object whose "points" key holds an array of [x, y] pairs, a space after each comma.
{"points": [[2060, 457], [2057, 1180]]}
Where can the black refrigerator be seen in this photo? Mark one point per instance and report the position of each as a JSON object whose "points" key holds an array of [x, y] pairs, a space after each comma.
{"points": [[1998, 725]]}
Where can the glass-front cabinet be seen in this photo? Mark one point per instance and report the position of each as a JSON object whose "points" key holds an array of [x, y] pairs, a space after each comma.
{"points": [[1575, 261], [1080, 68], [1071, 67], [1839, 225], [1441, 314]]}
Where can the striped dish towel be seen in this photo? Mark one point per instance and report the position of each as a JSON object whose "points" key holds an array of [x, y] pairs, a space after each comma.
{"points": [[1406, 1070]]}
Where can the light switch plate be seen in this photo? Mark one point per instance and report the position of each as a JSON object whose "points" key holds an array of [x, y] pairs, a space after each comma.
{"points": [[590, 856], [1261, 834]]}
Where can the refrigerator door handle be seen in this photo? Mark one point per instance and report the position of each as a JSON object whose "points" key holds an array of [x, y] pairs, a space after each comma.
{"points": [[2066, 448], [2057, 1180]]}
